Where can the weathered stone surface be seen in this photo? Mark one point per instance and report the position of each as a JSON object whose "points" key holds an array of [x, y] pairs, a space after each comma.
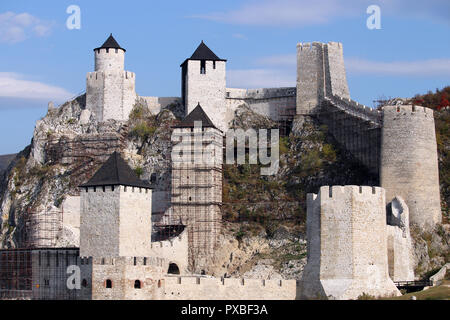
{"points": [[347, 244]]}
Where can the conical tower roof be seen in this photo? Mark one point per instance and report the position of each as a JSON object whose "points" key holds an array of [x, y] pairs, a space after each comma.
{"points": [[203, 53], [198, 114], [115, 171], [110, 43]]}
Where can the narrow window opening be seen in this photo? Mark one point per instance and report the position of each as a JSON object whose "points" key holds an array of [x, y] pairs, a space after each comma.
{"points": [[137, 284], [84, 283], [214, 64], [108, 284], [202, 67]]}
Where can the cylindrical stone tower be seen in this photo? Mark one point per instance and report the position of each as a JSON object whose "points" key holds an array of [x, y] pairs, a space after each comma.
{"points": [[110, 56], [409, 162], [110, 90]]}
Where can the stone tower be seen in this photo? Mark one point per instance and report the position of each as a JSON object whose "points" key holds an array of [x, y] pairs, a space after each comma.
{"points": [[347, 244], [409, 162], [320, 73], [197, 185], [116, 209], [203, 81], [110, 91]]}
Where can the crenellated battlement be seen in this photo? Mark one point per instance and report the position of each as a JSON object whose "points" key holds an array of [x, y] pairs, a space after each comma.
{"points": [[407, 110], [125, 261], [310, 45], [228, 288], [355, 109], [101, 75], [339, 193]]}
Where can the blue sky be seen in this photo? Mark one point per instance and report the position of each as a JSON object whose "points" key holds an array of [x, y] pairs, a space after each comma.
{"points": [[42, 60]]}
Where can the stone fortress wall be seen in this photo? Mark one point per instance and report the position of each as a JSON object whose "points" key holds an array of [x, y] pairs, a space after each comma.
{"points": [[110, 91], [343, 222], [131, 278], [409, 162]]}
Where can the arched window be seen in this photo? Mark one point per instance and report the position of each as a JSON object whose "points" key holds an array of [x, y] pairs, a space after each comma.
{"points": [[108, 284], [173, 269], [137, 284]]}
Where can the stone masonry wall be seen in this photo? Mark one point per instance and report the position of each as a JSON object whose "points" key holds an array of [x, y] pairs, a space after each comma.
{"points": [[207, 89], [409, 165], [347, 244], [99, 223], [135, 221]]}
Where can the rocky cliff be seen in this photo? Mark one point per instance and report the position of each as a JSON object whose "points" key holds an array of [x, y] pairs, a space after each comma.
{"points": [[263, 216]]}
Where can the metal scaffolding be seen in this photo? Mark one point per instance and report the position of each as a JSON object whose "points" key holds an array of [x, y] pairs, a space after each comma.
{"points": [[42, 228], [195, 203]]}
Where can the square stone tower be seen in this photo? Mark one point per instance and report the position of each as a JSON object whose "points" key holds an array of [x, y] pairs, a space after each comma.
{"points": [[197, 185], [203, 81], [116, 210], [320, 73], [347, 244], [110, 91]]}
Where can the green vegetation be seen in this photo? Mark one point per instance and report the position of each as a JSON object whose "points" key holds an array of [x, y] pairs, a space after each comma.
{"points": [[143, 125], [139, 171]]}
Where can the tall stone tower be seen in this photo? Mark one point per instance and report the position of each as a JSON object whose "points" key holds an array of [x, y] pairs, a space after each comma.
{"points": [[203, 81], [347, 244], [197, 185], [116, 210], [320, 73], [110, 91], [409, 162]]}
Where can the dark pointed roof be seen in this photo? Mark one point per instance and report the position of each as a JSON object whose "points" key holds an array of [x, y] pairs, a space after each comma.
{"points": [[198, 114], [203, 53], [115, 171], [110, 43]]}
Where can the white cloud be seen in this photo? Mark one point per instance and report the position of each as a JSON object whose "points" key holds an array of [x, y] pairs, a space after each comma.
{"points": [[282, 60], [282, 12], [421, 68], [260, 78], [13, 85], [239, 36], [18, 27], [306, 12]]}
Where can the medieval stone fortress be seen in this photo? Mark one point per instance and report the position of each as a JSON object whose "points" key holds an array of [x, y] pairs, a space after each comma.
{"points": [[154, 239]]}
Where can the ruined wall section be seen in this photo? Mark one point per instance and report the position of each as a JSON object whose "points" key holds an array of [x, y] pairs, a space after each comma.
{"points": [[335, 76], [310, 77], [277, 104], [357, 128], [400, 248], [174, 250], [409, 163], [348, 220]]}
